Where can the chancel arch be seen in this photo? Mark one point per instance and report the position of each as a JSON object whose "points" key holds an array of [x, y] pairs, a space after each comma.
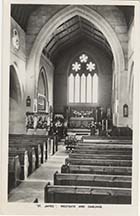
{"points": [[74, 68], [62, 16]]}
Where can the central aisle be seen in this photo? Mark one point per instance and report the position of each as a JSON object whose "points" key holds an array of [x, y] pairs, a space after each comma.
{"points": [[33, 187]]}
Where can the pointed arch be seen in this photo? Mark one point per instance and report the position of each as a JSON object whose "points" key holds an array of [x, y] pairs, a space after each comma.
{"points": [[71, 88], [89, 87], [15, 87], [59, 18], [43, 83], [95, 88]]}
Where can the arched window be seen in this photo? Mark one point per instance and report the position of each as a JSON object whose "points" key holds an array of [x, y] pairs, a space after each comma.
{"points": [[71, 88], [89, 87], [83, 80], [83, 88], [95, 88], [77, 88], [43, 102]]}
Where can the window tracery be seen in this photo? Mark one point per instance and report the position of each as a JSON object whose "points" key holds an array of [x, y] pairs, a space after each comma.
{"points": [[83, 80]]}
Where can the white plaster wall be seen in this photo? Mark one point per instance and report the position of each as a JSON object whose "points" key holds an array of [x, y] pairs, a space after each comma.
{"points": [[18, 59], [130, 80], [126, 95]]}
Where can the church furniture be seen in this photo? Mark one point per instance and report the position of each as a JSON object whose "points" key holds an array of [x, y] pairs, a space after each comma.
{"points": [[31, 155], [80, 122], [98, 162], [91, 139], [24, 161], [93, 146], [90, 169], [86, 194], [43, 140], [101, 180], [100, 156], [31, 139], [121, 131], [70, 142], [14, 171], [28, 146], [103, 150]]}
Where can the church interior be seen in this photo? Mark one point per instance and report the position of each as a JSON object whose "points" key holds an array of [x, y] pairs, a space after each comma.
{"points": [[71, 104]]}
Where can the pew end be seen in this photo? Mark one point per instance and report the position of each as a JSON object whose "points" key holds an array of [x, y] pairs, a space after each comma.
{"points": [[65, 168]]}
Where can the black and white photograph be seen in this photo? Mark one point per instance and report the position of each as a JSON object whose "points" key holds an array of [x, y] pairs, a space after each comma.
{"points": [[71, 137]]}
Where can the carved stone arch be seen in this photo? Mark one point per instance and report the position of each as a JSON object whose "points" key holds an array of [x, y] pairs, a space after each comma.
{"points": [[59, 18], [15, 85]]}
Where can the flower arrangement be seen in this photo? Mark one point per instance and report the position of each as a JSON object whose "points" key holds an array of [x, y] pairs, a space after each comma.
{"points": [[82, 113], [71, 140]]}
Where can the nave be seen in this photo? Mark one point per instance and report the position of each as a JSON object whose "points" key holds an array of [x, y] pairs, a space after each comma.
{"points": [[71, 82], [32, 189], [93, 170]]}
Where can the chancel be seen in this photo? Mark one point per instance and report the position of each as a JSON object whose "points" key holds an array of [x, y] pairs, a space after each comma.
{"points": [[71, 104]]}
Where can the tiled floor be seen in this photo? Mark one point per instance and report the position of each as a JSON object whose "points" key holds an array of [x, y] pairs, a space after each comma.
{"points": [[33, 187]]}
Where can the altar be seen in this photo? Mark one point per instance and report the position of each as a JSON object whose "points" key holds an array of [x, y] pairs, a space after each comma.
{"points": [[80, 122], [84, 117]]}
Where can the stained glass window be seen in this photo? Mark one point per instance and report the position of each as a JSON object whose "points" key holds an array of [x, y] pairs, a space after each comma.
{"points": [[71, 88], [95, 88], [83, 88], [83, 80], [89, 89], [77, 88]]}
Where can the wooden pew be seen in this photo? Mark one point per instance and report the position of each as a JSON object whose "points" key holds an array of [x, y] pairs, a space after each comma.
{"points": [[31, 155], [107, 141], [92, 180], [43, 140], [28, 145], [100, 156], [103, 151], [14, 171], [31, 139], [41, 147], [24, 161], [103, 146], [84, 194], [120, 138], [105, 170], [98, 162], [50, 148], [55, 143]]}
